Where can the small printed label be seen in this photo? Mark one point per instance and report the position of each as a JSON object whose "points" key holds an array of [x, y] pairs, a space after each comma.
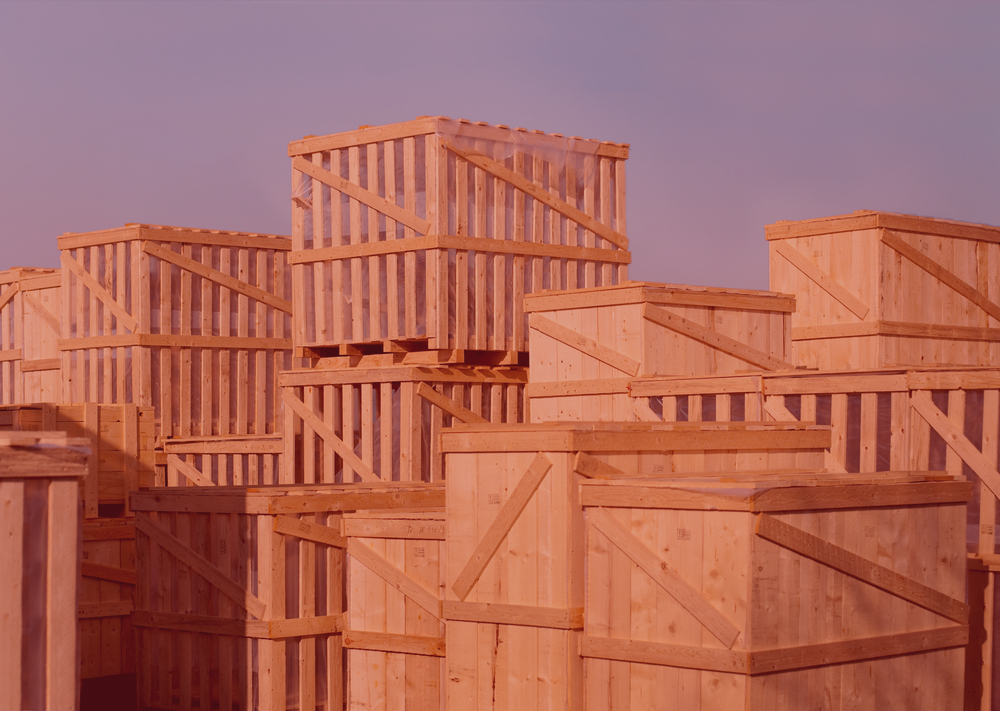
{"points": [[86, 555], [222, 546], [683, 534], [986, 528], [869, 532], [419, 553], [659, 468], [493, 499]]}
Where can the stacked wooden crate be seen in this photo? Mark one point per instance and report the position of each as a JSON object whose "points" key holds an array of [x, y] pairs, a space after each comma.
{"points": [[29, 335]]}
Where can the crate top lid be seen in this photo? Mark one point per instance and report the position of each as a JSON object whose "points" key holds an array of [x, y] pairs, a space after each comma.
{"points": [[132, 231], [779, 491], [42, 455], [443, 125], [873, 219], [639, 292], [635, 437]]}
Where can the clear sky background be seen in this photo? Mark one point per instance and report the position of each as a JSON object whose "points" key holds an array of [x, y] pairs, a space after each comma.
{"points": [[738, 113]]}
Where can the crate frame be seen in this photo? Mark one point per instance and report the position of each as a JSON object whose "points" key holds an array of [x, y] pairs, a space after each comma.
{"points": [[29, 333]]}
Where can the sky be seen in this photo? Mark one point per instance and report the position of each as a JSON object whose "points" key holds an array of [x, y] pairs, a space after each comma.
{"points": [[738, 114]]}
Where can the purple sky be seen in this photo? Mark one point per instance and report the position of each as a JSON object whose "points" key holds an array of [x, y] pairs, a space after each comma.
{"points": [[738, 114]]}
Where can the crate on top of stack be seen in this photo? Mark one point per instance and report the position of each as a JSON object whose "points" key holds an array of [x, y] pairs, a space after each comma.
{"points": [[426, 235], [194, 323], [588, 344], [29, 335], [879, 289]]}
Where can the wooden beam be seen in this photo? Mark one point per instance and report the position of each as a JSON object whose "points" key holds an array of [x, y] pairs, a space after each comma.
{"points": [[9, 294], [42, 312], [328, 435], [587, 346], [190, 473], [107, 572], [358, 193], [501, 526], [895, 242], [124, 317], [643, 412], [678, 588], [92, 610], [833, 556], [519, 615], [308, 531], [395, 577], [921, 401], [593, 468], [395, 643], [524, 185], [823, 280], [780, 413], [712, 339], [667, 655], [220, 278], [448, 405], [202, 566]]}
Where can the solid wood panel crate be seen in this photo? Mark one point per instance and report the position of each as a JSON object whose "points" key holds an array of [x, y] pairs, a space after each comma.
{"points": [[371, 424], [29, 335], [40, 519], [194, 323], [430, 232], [121, 438], [515, 594], [240, 592], [394, 629], [878, 289], [824, 594], [107, 597], [233, 460], [588, 343]]}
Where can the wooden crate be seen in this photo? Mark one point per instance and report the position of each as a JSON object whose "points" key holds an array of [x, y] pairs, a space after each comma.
{"points": [[877, 289], [29, 335], [194, 323], [40, 519], [776, 595], [240, 592], [982, 674], [431, 231], [394, 629], [335, 428], [588, 343], [107, 597], [515, 593], [121, 437], [233, 460]]}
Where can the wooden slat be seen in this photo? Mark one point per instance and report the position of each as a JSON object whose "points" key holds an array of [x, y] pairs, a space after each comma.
{"points": [[358, 193], [40, 365], [585, 345], [448, 405], [660, 654], [643, 412], [107, 572], [523, 184], [395, 577], [593, 468], [11, 592], [167, 340], [115, 608], [833, 556], [521, 615], [305, 530], [822, 279], [397, 643], [9, 293], [193, 475], [328, 435], [713, 339], [501, 526], [678, 588], [216, 276], [234, 591], [124, 317]]}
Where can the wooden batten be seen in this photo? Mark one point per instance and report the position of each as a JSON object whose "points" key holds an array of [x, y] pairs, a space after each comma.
{"points": [[588, 343], [232, 460], [29, 335], [193, 323], [384, 424], [429, 233], [855, 278]]}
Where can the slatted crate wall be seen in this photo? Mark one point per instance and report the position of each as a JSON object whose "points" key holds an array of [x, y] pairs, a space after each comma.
{"points": [[515, 534], [29, 335], [394, 629], [855, 278], [194, 323], [433, 230], [234, 460], [240, 592], [841, 593], [587, 344], [336, 420], [107, 597], [121, 437], [40, 475]]}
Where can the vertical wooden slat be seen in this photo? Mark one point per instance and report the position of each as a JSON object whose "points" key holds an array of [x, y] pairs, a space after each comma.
{"points": [[589, 180], [988, 501], [61, 668], [357, 292], [271, 591], [318, 299], [375, 300], [301, 314], [554, 229], [869, 432], [605, 217], [956, 414], [336, 295], [572, 231], [262, 381], [517, 288], [11, 559], [91, 485], [410, 258], [163, 398], [481, 341], [537, 228], [386, 430], [186, 353], [461, 256], [499, 340], [620, 213], [242, 355], [391, 260], [307, 608], [108, 354], [225, 357]]}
